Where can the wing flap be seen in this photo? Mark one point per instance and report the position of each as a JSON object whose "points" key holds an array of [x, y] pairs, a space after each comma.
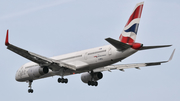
{"points": [[78, 64], [126, 66]]}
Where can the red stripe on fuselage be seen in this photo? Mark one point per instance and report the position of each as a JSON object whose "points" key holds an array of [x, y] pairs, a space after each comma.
{"points": [[136, 14]]}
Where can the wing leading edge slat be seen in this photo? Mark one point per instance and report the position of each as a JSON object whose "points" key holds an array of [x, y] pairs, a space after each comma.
{"points": [[41, 60]]}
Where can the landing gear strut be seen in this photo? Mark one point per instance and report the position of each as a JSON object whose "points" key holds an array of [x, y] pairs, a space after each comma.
{"points": [[92, 82], [30, 90], [62, 80]]}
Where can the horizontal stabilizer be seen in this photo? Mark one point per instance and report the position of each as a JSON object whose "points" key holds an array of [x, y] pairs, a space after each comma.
{"points": [[119, 45], [152, 47]]}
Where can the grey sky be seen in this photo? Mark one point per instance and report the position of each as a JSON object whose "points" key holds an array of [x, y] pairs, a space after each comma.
{"points": [[55, 27]]}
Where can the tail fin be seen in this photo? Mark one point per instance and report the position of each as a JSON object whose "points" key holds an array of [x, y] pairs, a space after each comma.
{"points": [[130, 30]]}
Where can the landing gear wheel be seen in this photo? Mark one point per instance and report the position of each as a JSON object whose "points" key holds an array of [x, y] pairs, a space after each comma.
{"points": [[30, 90], [89, 83], [62, 80], [59, 80], [65, 80], [30, 86], [96, 84], [92, 83]]}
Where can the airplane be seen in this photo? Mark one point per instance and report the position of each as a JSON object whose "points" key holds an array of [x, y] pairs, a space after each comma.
{"points": [[91, 62]]}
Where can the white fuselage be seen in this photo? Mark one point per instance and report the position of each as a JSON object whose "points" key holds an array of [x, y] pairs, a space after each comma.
{"points": [[85, 61]]}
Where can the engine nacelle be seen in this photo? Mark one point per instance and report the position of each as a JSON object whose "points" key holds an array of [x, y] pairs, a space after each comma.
{"points": [[37, 71], [85, 77]]}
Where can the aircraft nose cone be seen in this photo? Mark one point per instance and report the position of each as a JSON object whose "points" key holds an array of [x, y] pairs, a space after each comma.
{"points": [[17, 77]]}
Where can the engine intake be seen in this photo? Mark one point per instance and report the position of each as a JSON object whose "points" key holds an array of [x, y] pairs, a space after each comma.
{"points": [[85, 77]]}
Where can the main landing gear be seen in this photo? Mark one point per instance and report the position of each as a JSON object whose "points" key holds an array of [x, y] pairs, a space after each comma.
{"points": [[62, 80], [30, 90], [92, 83]]}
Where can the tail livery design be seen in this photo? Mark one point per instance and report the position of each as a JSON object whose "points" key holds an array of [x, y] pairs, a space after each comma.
{"points": [[130, 30], [129, 33]]}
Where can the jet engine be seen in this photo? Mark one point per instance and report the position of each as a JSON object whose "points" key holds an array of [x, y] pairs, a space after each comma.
{"points": [[37, 71], [85, 77]]}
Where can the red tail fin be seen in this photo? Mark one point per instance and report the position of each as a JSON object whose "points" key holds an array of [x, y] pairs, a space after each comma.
{"points": [[129, 32]]}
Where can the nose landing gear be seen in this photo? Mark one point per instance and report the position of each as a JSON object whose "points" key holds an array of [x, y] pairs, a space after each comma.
{"points": [[30, 84]]}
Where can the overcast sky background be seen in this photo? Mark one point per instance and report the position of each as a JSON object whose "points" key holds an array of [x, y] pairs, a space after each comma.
{"points": [[55, 27]]}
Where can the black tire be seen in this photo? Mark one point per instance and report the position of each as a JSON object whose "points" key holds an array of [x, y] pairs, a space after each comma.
{"points": [[96, 84], [89, 83], [93, 83], [59, 80], [65, 80], [30, 90], [62, 80]]}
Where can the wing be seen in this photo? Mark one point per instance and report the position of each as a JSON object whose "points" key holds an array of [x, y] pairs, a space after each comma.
{"points": [[126, 66], [41, 60]]}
